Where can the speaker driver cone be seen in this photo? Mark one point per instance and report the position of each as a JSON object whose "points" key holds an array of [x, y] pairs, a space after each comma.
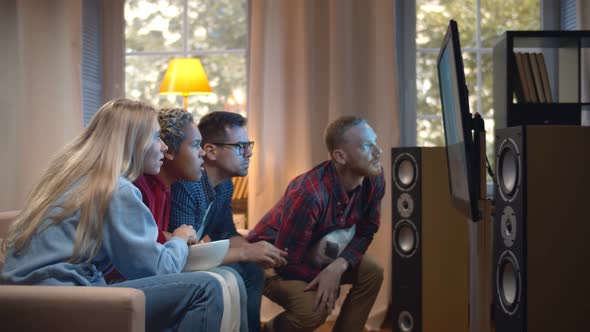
{"points": [[508, 282], [405, 239], [405, 322], [405, 205], [405, 171], [508, 226], [508, 169]]}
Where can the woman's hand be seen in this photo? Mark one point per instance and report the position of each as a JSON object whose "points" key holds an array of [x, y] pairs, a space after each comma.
{"points": [[187, 233]]}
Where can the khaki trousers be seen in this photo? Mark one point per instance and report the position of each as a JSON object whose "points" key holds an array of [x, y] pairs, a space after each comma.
{"points": [[299, 314]]}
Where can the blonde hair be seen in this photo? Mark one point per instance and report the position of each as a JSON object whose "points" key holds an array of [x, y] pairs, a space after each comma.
{"points": [[83, 176]]}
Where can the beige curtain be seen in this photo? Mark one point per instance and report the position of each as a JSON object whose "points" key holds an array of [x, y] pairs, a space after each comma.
{"points": [[583, 22], [40, 99], [309, 62]]}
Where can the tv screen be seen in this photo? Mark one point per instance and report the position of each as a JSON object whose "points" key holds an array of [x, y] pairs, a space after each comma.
{"points": [[463, 180]]}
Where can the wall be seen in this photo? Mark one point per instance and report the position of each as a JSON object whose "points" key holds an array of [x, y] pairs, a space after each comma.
{"points": [[9, 122], [40, 101]]}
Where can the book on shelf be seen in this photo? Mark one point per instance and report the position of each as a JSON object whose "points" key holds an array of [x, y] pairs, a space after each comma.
{"points": [[522, 91], [234, 180], [240, 187], [244, 189], [536, 77], [526, 63], [544, 77], [238, 184], [531, 78]]}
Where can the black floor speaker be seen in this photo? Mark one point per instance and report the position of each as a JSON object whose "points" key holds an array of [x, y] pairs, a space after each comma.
{"points": [[430, 290], [542, 229]]}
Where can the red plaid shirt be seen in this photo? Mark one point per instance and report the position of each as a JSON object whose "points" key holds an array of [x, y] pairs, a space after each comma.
{"points": [[315, 204]]}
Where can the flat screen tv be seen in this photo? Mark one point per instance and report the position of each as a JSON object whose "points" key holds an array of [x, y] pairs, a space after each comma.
{"points": [[463, 175]]}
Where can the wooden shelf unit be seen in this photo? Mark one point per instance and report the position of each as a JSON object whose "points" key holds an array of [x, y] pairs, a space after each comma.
{"points": [[563, 52]]}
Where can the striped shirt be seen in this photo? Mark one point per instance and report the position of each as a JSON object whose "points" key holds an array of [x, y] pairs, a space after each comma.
{"points": [[315, 204]]}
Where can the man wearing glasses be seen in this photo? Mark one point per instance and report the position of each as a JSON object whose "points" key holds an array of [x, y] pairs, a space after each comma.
{"points": [[206, 204]]}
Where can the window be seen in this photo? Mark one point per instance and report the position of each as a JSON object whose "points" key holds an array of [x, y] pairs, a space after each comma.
{"points": [[215, 31], [481, 23], [567, 17]]}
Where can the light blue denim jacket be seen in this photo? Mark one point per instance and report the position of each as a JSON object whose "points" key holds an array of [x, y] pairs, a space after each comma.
{"points": [[129, 245]]}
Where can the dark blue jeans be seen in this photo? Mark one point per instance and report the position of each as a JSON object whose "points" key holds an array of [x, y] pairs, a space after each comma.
{"points": [[253, 277]]}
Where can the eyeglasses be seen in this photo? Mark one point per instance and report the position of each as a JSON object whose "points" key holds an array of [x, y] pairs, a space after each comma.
{"points": [[241, 147]]}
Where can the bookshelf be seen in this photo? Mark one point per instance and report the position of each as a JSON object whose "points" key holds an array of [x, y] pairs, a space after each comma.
{"points": [[550, 92], [239, 201]]}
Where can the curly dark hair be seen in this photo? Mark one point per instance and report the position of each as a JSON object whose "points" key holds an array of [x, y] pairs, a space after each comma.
{"points": [[172, 122]]}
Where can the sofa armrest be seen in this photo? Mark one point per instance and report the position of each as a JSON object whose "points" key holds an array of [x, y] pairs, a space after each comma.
{"points": [[6, 218], [71, 308]]}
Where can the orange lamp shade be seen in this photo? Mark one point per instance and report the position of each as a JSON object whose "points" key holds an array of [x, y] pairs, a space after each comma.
{"points": [[185, 77]]}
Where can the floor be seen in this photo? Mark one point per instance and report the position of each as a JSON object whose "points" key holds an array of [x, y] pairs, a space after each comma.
{"points": [[327, 327]]}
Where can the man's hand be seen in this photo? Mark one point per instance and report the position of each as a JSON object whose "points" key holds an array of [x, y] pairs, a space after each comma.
{"points": [[187, 233], [264, 254], [328, 284]]}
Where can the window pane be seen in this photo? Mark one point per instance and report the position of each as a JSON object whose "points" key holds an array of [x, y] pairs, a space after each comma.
{"points": [[143, 75], [227, 77], [430, 132], [489, 127], [470, 69], [497, 16], [153, 25], [217, 24], [432, 20], [487, 81], [428, 102], [428, 97]]}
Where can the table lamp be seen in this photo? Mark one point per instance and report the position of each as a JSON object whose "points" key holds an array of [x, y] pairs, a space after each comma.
{"points": [[185, 76]]}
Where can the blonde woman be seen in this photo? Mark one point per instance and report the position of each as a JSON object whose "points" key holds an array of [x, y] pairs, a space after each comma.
{"points": [[85, 218]]}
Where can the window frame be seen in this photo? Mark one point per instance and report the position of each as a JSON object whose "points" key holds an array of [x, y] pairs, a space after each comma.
{"points": [[186, 52]]}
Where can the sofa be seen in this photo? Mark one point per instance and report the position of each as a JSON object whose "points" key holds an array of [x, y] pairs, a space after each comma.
{"points": [[56, 308]]}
